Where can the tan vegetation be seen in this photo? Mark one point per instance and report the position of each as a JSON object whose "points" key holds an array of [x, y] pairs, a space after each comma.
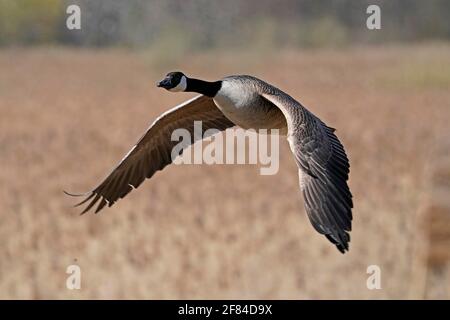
{"points": [[67, 116]]}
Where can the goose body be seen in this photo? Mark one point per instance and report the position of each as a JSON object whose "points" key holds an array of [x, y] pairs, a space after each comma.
{"points": [[250, 103], [240, 101]]}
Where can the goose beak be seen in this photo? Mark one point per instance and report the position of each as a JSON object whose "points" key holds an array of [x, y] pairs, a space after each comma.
{"points": [[164, 83]]}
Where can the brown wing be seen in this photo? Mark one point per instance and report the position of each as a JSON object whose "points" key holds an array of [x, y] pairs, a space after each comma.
{"points": [[153, 150], [323, 171]]}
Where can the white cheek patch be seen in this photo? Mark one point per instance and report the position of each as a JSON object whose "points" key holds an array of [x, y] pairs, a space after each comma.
{"points": [[181, 86]]}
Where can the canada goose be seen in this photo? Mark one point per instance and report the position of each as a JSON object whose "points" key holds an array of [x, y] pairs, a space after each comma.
{"points": [[249, 103]]}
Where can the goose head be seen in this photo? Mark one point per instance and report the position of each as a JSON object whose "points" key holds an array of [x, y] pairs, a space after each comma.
{"points": [[174, 81]]}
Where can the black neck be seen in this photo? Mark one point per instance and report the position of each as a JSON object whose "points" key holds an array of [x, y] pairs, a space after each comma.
{"points": [[206, 88]]}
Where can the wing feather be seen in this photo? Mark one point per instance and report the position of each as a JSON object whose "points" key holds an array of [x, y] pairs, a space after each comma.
{"points": [[153, 150], [323, 170]]}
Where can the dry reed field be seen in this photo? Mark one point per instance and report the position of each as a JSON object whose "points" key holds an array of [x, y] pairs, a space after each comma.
{"points": [[222, 231]]}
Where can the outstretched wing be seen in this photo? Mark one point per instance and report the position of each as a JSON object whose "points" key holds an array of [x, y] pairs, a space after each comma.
{"points": [[153, 150], [323, 170]]}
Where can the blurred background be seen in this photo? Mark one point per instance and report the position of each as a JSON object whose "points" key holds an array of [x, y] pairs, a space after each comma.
{"points": [[72, 103]]}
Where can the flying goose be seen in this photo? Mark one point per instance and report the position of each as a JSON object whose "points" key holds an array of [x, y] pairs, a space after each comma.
{"points": [[249, 103]]}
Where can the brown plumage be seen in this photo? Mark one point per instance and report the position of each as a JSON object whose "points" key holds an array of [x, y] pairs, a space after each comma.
{"points": [[153, 151]]}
